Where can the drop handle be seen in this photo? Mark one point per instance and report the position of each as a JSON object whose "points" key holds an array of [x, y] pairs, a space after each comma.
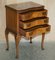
{"points": [[45, 21], [31, 33], [29, 24], [48, 29], [44, 13]]}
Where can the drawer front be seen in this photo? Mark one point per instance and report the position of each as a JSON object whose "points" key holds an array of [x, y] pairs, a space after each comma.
{"points": [[35, 14], [35, 32], [26, 25]]}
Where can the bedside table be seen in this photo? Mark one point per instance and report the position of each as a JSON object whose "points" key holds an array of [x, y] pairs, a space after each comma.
{"points": [[27, 19]]}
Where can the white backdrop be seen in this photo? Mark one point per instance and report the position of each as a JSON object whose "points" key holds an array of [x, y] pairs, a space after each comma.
{"points": [[49, 4]]}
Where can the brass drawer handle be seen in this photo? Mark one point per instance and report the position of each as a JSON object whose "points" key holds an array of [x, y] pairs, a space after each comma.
{"points": [[29, 24], [45, 21], [44, 13], [31, 33], [48, 29]]}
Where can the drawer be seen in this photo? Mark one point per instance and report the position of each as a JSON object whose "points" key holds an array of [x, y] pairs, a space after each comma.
{"points": [[33, 14], [33, 22], [35, 30]]}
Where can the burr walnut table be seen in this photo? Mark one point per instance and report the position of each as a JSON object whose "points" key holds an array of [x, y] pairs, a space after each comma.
{"points": [[26, 19]]}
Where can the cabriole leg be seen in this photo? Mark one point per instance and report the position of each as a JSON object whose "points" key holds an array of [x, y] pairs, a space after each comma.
{"points": [[30, 39], [6, 35], [42, 43], [17, 40]]}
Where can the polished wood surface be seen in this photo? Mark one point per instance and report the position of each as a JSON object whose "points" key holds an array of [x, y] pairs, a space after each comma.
{"points": [[11, 20], [42, 43], [17, 40], [26, 19], [34, 22], [6, 35], [26, 6], [34, 31], [33, 14]]}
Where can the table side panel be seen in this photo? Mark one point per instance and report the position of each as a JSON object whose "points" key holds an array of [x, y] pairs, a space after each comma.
{"points": [[11, 19]]}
